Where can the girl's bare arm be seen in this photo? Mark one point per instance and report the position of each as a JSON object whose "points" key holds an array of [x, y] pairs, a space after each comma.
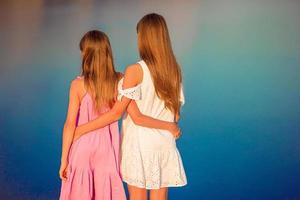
{"points": [[70, 124], [146, 121]]}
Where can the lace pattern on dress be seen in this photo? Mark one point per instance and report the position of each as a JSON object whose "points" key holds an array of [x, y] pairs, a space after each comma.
{"points": [[131, 93]]}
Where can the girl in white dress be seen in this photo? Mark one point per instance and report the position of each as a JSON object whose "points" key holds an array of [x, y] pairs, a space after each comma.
{"points": [[150, 159]]}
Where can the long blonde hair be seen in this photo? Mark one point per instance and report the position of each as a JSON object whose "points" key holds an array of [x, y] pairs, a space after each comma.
{"points": [[155, 49], [100, 77]]}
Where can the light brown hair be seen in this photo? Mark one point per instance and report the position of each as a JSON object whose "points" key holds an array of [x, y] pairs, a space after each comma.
{"points": [[100, 77], [155, 49]]}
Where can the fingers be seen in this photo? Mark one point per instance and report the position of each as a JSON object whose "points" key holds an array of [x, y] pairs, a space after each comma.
{"points": [[178, 133], [63, 175]]}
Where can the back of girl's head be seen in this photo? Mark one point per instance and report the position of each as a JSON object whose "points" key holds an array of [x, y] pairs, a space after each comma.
{"points": [[97, 68], [155, 49]]}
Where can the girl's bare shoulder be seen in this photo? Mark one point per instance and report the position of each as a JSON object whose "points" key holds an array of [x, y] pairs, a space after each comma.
{"points": [[77, 86], [133, 68], [134, 71]]}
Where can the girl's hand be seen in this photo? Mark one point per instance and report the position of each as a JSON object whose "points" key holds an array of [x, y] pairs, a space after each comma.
{"points": [[175, 130], [63, 171]]}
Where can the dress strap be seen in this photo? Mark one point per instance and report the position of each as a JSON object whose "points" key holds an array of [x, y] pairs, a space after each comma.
{"points": [[143, 64], [146, 71]]}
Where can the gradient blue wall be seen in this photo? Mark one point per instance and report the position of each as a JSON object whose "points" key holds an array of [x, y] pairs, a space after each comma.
{"points": [[241, 59]]}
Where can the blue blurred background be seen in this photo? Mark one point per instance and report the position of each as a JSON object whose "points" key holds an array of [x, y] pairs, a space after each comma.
{"points": [[240, 60]]}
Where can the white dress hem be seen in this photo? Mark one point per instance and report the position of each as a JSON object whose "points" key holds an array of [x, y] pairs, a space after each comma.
{"points": [[152, 188]]}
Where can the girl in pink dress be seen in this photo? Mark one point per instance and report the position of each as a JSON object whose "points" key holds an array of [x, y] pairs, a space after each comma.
{"points": [[90, 165]]}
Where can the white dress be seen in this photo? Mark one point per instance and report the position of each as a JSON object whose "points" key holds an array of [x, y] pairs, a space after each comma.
{"points": [[149, 157]]}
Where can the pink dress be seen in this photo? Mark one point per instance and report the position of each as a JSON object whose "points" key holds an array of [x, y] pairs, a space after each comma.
{"points": [[93, 171]]}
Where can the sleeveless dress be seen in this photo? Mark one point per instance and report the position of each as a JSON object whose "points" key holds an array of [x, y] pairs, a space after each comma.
{"points": [[93, 170], [149, 157]]}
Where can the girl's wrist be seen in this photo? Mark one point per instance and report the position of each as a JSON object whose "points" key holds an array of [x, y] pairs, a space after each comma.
{"points": [[63, 160], [170, 126]]}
